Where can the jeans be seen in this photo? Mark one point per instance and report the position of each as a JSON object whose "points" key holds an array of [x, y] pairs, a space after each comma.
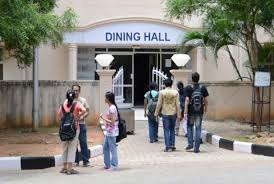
{"points": [[83, 144], [110, 147], [153, 129], [194, 121], [169, 130]]}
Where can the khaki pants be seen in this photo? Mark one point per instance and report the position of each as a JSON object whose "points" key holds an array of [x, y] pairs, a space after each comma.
{"points": [[69, 149]]}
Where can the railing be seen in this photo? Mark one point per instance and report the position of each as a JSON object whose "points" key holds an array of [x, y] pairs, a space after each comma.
{"points": [[118, 86], [158, 76]]}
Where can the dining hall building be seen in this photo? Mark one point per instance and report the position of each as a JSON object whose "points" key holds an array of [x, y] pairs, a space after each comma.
{"points": [[137, 33]]}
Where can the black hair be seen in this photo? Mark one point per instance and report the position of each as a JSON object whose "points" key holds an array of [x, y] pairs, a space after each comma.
{"points": [[70, 97], [168, 82], [111, 98], [153, 86], [77, 86], [195, 77], [180, 86]]}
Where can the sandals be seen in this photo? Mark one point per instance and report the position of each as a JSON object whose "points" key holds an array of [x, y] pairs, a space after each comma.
{"points": [[63, 170], [72, 171]]}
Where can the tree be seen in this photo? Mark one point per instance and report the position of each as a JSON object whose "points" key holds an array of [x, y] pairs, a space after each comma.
{"points": [[25, 24], [231, 22]]}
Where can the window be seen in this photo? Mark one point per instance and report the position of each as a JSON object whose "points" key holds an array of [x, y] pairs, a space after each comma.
{"points": [[86, 65]]}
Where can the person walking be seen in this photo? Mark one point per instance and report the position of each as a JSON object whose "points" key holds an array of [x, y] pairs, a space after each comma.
{"points": [[182, 97], [196, 104], [70, 146], [83, 129], [111, 119], [169, 106], [150, 102]]}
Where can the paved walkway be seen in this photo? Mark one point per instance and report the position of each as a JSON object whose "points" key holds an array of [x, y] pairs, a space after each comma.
{"points": [[141, 161], [137, 151]]}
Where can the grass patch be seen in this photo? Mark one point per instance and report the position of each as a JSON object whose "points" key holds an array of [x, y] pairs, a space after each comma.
{"points": [[241, 138]]}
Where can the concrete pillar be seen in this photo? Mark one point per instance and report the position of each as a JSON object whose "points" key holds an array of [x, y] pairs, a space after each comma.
{"points": [[181, 75], [105, 85], [198, 60], [72, 62]]}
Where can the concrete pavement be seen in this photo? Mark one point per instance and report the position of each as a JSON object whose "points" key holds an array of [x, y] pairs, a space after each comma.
{"points": [[143, 162]]}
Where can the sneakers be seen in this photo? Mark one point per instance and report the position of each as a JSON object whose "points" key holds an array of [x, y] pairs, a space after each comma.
{"points": [[189, 147], [173, 148], [198, 151], [167, 150], [86, 164]]}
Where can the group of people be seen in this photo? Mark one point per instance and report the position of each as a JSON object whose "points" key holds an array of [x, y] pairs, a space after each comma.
{"points": [[79, 109], [186, 106]]}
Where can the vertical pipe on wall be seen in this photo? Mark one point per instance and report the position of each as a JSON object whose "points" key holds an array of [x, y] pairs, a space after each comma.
{"points": [[35, 94]]}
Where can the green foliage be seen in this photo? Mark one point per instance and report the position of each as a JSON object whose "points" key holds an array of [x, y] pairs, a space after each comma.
{"points": [[228, 22], [25, 24]]}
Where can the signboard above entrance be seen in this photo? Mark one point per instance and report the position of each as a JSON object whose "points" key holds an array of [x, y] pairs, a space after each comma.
{"points": [[128, 33]]}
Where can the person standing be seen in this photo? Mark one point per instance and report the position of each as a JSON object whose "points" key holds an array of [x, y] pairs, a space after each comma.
{"points": [[70, 146], [150, 102], [111, 119], [168, 104], [196, 104], [83, 129]]}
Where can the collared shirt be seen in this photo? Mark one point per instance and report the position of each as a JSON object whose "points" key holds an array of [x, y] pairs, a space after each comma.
{"points": [[84, 102], [168, 102]]}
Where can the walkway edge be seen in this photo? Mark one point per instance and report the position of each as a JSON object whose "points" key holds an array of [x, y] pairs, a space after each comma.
{"points": [[39, 162], [238, 146]]}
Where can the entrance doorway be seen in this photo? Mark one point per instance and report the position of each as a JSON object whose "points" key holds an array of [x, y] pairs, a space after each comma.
{"points": [[143, 64]]}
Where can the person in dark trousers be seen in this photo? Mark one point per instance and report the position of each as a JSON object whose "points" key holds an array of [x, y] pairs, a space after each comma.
{"points": [[182, 96], [196, 104], [83, 129], [169, 106], [152, 121]]}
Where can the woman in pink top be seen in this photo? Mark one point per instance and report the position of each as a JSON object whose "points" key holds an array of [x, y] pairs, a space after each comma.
{"points": [[69, 147], [111, 119]]}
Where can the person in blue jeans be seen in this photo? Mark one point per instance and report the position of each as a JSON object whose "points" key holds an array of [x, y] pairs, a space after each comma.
{"points": [[169, 106], [196, 104], [111, 119], [153, 124], [83, 129]]}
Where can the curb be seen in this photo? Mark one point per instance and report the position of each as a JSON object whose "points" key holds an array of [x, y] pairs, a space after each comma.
{"points": [[238, 146], [27, 163]]}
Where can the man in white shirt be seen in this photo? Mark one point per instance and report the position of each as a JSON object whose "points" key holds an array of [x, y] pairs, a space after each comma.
{"points": [[83, 130]]}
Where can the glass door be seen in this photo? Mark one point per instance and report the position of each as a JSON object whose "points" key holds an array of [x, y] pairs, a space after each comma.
{"points": [[125, 60]]}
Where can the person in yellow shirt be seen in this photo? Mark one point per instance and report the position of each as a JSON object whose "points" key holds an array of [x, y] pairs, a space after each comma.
{"points": [[169, 107]]}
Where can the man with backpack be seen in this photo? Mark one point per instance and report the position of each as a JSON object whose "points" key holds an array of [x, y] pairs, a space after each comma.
{"points": [[83, 130], [150, 103], [196, 104], [169, 106]]}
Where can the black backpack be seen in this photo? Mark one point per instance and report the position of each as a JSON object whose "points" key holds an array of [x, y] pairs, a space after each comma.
{"points": [[67, 129], [152, 104], [197, 100], [122, 130]]}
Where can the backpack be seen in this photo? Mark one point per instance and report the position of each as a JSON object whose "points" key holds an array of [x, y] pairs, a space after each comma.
{"points": [[152, 106], [122, 130], [197, 101], [182, 99], [67, 130]]}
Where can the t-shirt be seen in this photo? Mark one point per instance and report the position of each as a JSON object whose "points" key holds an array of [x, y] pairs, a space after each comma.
{"points": [[147, 95], [112, 130], [84, 102], [190, 89], [76, 111]]}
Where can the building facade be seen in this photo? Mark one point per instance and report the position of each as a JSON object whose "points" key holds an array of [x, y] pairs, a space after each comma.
{"points": [[139, 36]]}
